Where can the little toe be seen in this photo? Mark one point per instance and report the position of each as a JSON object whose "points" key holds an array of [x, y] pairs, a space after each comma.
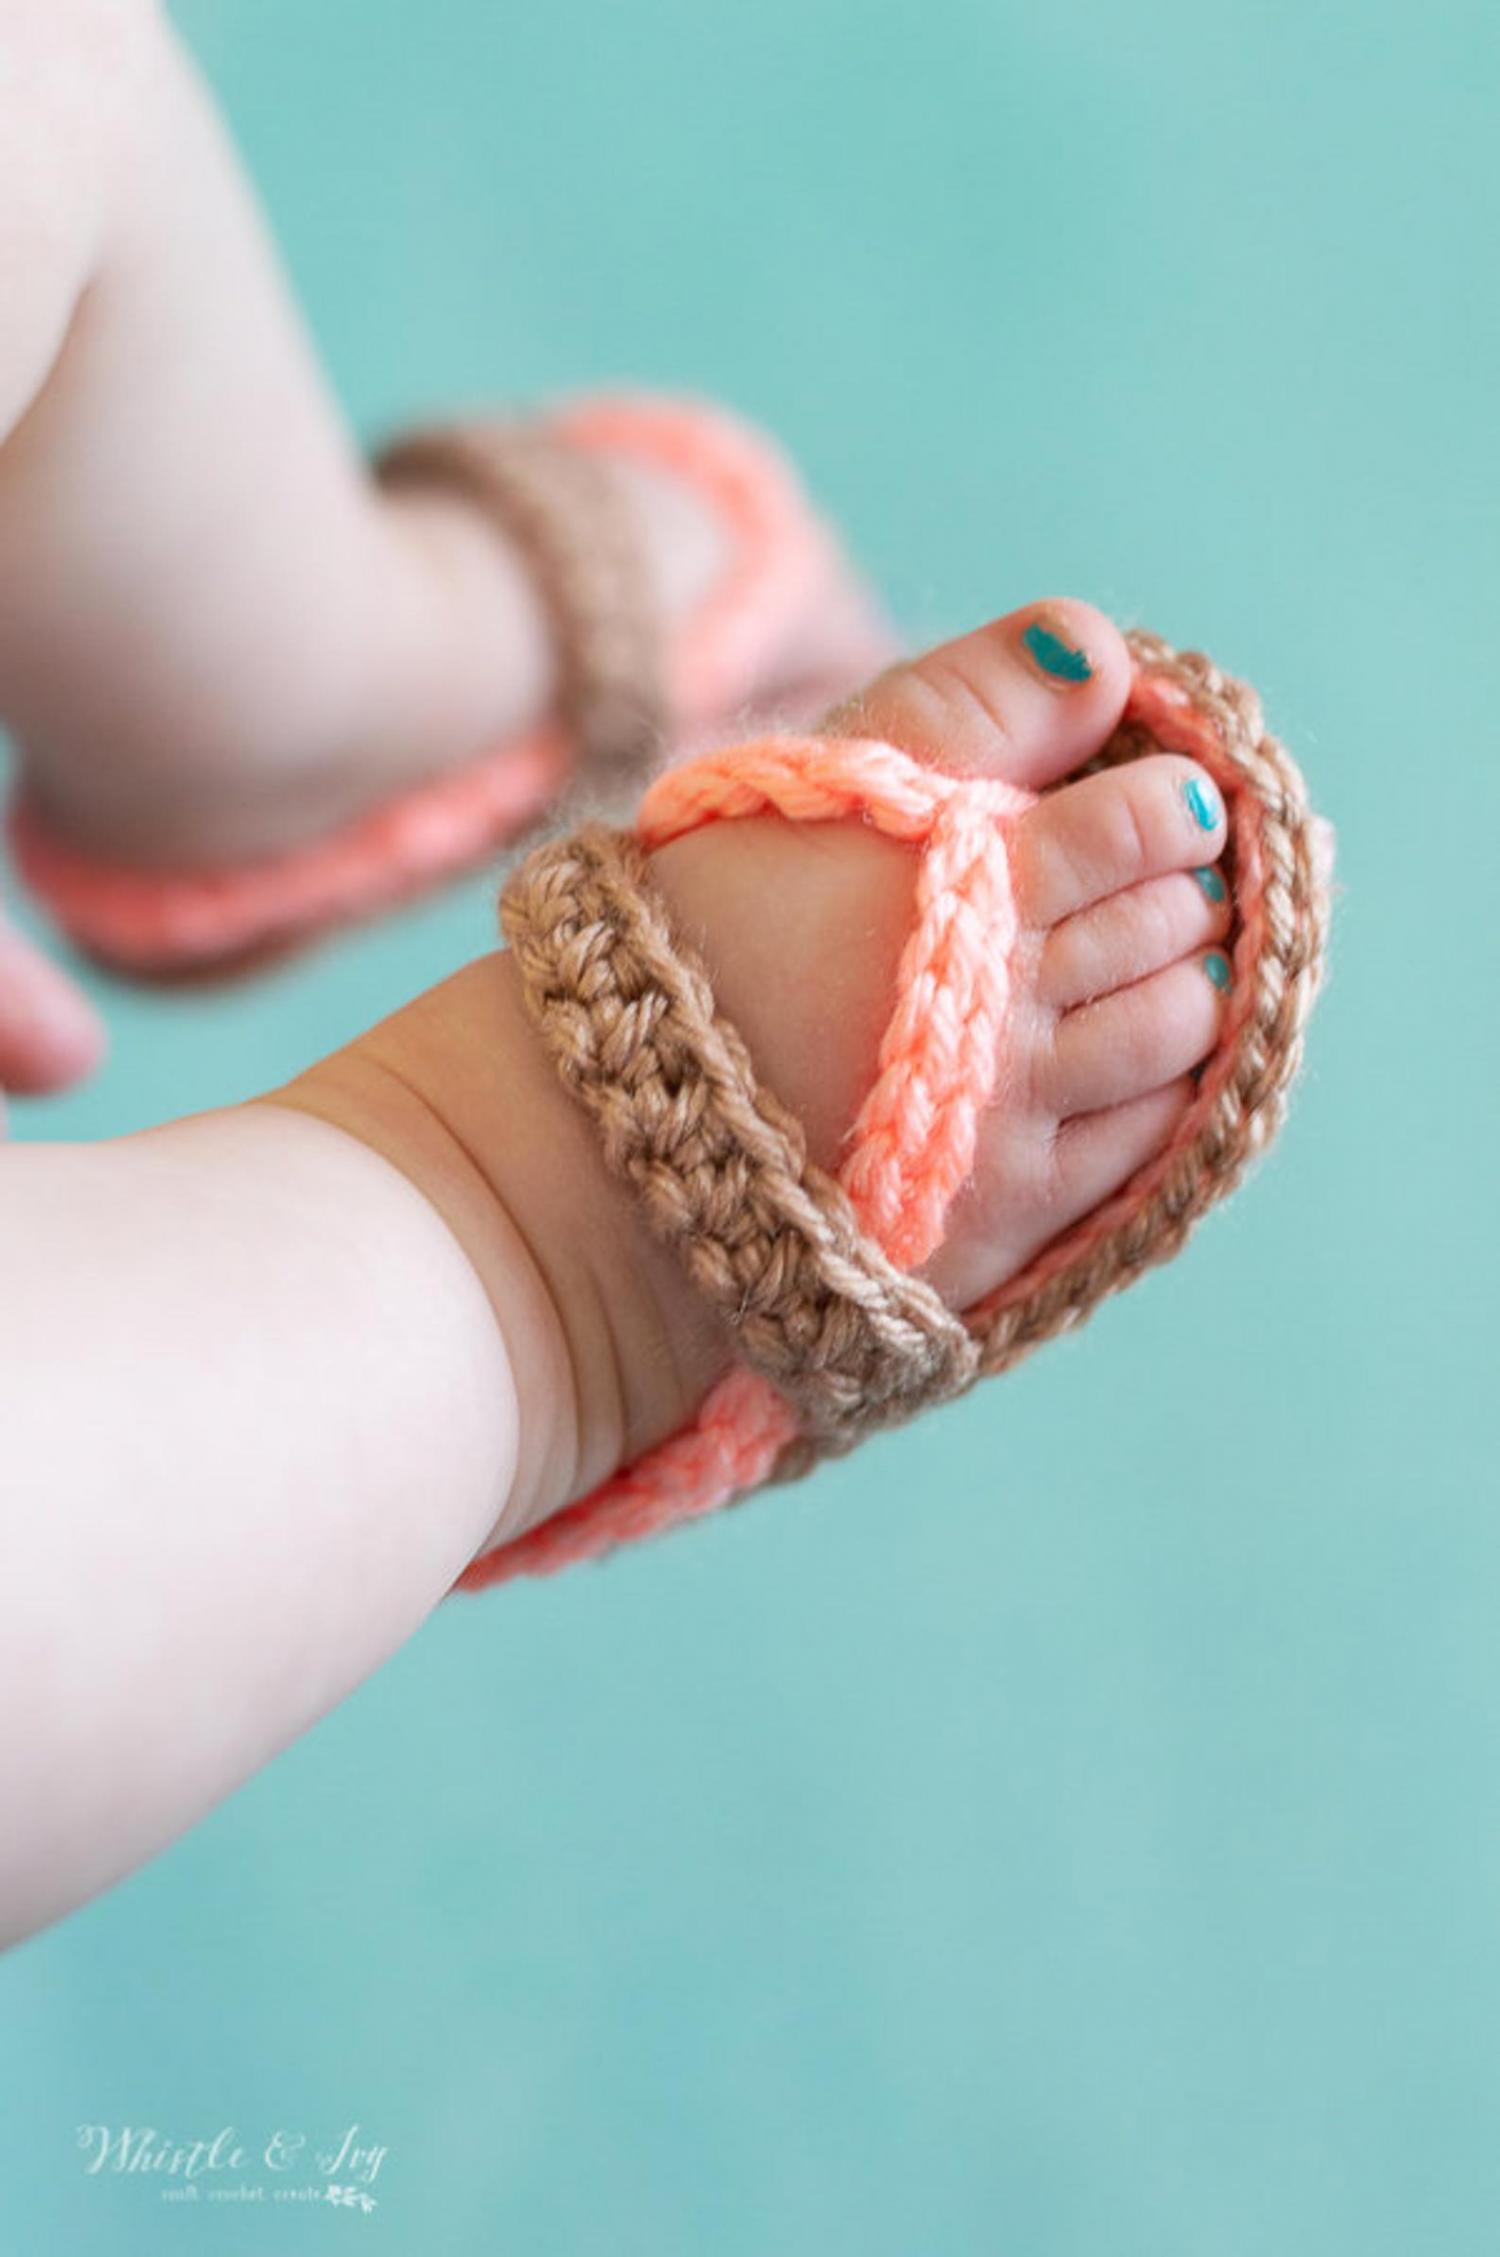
{"points": [[1029, 697], [1098, 1152], [1137, 1039], [1130, 935], [1143, 819]]}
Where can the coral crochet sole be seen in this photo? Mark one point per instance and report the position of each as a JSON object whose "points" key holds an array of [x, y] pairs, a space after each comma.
{"points": [[812, 1349], [162, 922]]}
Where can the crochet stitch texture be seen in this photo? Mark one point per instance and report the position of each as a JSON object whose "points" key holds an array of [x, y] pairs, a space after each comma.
{"points": [[834, 1336], [569, 521]]}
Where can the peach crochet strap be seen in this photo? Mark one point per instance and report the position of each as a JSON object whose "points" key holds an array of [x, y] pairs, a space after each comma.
{"points": [[913, 1143], [561, 508], [911, 1147]]}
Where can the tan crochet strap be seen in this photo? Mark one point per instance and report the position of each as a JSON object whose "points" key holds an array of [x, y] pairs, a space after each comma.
{"points": [[573, 526], [627, 1013]]}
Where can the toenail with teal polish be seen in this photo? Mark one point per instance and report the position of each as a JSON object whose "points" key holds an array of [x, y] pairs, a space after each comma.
{"points": [[1212, 884], [1202, 802], [1217, 968], [1062, 661]]}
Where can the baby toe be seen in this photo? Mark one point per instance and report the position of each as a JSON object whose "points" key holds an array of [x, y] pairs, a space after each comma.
{"points": [[1139, 1038], [1140, 820], [1130, 935], [1098, 1152], [1029, 697]]}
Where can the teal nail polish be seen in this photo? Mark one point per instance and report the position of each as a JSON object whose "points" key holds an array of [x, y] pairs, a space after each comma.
{"points": [[1212, 884], [1217, 968], [1056, 658], [1202, 802]]}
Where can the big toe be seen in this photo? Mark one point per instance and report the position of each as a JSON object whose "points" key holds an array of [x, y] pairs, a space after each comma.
{"points": [[1029, 697]]}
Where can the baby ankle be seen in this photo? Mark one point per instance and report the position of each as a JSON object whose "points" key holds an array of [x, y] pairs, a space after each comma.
{"points": [[609, 1349]]}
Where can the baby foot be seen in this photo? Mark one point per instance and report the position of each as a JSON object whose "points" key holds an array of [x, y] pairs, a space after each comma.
{"points": [[1119, 992], [1119, 987]]}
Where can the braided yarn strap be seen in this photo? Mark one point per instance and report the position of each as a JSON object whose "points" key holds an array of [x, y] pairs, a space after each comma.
{"points": [[810, 1272], [627, 1014], [571, 523]]}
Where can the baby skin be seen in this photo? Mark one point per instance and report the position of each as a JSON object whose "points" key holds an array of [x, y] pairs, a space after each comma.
{"points": [[1120, 990], [271, 1377], [219, 637]]}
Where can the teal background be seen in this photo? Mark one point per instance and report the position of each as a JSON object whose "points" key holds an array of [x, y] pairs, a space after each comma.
{"points": [[1072, 1826]]}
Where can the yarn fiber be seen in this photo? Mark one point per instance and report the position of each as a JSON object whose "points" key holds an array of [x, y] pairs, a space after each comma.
{"points": [[626, 1011], [570, 522], [549, 489], [628, 1016]]}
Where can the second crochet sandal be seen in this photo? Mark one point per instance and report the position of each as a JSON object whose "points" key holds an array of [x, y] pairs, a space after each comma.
{"points": [[835, 1336], [623, 684]]}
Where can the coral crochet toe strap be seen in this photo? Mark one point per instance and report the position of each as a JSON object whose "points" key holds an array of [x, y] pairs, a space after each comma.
{"points": [[834, 1337]]}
